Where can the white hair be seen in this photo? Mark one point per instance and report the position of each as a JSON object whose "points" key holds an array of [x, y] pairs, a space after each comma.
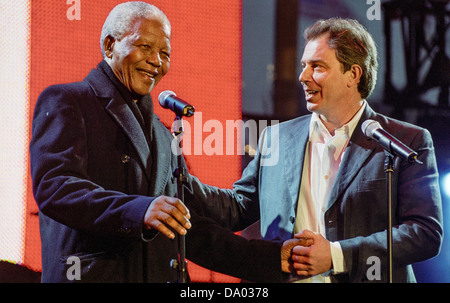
{"points": [[120, 19]]}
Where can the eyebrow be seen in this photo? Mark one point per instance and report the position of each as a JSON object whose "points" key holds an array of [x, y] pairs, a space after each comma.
{"points": [[321, 62], [143, 40]]}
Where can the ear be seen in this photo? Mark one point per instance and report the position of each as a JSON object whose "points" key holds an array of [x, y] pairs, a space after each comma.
{"points": [[108, 46], [355, 74]]}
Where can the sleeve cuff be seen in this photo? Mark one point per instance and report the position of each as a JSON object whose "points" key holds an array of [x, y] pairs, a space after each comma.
{"points": [[337, 258], [148, 235]]}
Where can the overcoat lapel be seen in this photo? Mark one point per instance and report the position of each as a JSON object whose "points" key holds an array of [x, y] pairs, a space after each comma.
{"points": [[162, 157], [122, 114]]}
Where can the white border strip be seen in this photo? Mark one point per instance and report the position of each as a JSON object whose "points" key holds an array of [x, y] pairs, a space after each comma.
{"points": [[14, 103]]}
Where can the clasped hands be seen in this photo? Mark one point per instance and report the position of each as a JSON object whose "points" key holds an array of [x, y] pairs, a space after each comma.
{"points": [[308, 254]]}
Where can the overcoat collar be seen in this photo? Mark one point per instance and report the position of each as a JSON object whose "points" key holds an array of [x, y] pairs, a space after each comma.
{"points": [[119, 110]]}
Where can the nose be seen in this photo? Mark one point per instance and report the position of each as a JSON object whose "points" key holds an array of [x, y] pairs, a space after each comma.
{"points": [[154, 59], [305, 75]]}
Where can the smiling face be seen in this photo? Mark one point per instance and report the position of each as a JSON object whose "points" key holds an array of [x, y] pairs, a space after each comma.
{"points": [[142, 57], [329, 91]]}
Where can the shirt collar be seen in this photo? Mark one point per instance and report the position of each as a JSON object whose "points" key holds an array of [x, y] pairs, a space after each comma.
{"points": [[318, 131]]}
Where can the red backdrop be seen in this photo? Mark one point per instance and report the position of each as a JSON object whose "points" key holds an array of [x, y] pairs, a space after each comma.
{"points": [[205, 69]]}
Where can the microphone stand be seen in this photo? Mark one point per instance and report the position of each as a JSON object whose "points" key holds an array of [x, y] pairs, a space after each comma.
{"points": [[389, 169], [180, 174]]}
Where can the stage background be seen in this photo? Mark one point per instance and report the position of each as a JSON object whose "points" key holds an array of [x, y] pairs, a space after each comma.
{"points": [[224, 62]]}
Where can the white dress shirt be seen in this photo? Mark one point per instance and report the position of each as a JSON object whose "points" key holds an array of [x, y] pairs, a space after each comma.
{"points": [[323, 156]]}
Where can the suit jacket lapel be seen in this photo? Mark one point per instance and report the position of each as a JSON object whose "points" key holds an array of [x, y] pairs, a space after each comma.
{"points": [[294, 145], [358, 151]]}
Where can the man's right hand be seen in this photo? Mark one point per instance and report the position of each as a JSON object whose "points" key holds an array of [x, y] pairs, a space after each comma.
{"points": [[167, 214], [287, 251]]}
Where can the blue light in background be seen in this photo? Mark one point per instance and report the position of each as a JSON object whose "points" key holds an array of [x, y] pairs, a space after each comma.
{"points": [[446, 184], [437, 269]]}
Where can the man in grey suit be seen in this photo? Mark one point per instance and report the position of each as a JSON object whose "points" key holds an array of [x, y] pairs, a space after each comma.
{"points": [[319, 177]]}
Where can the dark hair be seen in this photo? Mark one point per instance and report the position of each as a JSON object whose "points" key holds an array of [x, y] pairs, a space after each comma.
{"points": [[353, 44]]}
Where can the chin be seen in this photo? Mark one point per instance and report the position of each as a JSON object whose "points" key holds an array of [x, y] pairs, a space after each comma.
{"points": [[143, 90], [312, 107]]}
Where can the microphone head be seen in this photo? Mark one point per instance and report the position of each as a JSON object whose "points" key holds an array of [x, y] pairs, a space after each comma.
{"points": [[163, 96], [369, 127]]}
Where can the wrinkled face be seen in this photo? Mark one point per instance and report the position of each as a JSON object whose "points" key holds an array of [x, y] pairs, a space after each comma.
{"points": [[142, 57], [326, 86]]}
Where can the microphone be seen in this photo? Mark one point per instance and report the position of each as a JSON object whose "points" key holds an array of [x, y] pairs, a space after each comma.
{"points": [[373, 130], [168, 99]]}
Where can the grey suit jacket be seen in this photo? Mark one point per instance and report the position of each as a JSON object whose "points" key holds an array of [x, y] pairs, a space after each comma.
{"points": [[356, 214]]}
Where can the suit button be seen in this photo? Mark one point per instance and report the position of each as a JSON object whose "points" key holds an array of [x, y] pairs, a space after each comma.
{"points": [[292, 219], [125, 159], [124, 230]]}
